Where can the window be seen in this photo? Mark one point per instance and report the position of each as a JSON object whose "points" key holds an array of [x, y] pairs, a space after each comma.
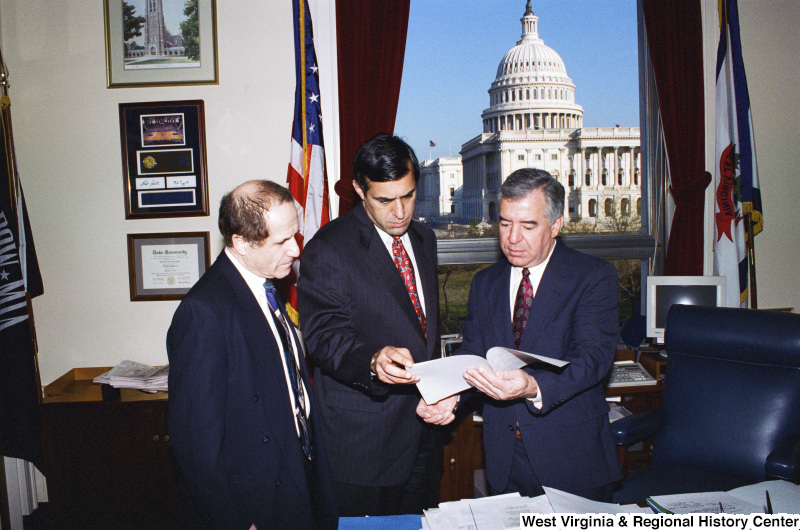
{"points": [[473, 202]]}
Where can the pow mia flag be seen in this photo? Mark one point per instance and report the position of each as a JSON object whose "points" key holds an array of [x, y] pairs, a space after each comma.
{"points": [[20, 427]]}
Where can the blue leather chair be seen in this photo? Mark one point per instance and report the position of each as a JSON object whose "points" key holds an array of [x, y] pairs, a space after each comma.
{"points": [[731, 404]]}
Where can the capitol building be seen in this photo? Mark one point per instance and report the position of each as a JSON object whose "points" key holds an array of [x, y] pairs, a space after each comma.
{"points": [[534, 121]]}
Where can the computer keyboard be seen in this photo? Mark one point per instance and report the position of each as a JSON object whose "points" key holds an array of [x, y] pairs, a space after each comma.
{"points": [[629, 374]]}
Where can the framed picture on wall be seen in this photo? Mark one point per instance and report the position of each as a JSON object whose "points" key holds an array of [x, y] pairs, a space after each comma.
{"points": [[164, 266], [164, 159], [160, 42]]}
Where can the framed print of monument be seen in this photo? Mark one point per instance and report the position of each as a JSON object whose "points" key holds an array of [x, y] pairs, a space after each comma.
{"points": [[160, 42]]}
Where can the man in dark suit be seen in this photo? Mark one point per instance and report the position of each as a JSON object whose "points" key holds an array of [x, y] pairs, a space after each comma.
{"points": [[365, 322], [544, 426], [243, 419]]}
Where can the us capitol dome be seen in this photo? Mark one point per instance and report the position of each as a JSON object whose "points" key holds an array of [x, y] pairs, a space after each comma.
{"points": [[534, 121]]}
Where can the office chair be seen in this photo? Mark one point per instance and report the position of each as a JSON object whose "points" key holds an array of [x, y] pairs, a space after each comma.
{"points": [[731, 404]]}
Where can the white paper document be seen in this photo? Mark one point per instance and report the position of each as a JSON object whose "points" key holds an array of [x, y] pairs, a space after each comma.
{"points": [[563, 502], [444, 377], [784, 497]]}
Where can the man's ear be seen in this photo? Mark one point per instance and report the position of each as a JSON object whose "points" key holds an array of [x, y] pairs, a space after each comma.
{"points": [[359, 191], [556, 227], [240, 246]]}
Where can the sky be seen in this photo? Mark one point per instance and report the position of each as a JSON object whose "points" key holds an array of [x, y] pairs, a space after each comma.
{"points": [[454, 47]]}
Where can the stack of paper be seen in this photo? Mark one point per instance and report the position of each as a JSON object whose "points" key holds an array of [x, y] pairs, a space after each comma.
{"points": [[130, 374], [502, 511], [784, 496]]}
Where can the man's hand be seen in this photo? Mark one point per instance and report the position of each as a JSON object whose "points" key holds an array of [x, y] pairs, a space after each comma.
{"points": [[503, 385], [391, 365], [440, 413]]}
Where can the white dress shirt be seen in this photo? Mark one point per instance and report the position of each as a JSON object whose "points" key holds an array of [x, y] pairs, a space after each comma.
{"points": [[388, 240], [535, 278]]}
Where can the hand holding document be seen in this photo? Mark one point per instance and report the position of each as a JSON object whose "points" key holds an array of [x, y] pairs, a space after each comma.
{"points": [[444, 377]]}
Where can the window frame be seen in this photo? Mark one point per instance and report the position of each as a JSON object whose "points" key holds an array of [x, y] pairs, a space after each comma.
{"points": [[647, 245]]}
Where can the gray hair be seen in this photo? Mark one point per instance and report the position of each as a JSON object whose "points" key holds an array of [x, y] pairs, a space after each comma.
{"points": [[523, 181]]}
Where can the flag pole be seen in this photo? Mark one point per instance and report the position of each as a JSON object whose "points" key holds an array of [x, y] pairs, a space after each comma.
{"points": [[750, 250]]}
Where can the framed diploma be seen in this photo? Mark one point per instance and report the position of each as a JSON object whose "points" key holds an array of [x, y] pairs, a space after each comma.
{"points": [[164, 159], [164, 266]]}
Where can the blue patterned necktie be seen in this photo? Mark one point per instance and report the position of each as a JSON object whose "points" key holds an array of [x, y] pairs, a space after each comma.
{"points": [[522, 306], [282, 325]]}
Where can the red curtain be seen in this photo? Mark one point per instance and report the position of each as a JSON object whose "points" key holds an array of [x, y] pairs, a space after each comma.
{"points": [[371, 41], [675, 40]]}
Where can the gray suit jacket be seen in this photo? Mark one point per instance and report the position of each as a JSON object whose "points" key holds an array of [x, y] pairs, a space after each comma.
{"points": [[352, 303]]}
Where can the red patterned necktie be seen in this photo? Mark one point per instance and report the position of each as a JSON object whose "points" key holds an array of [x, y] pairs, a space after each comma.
{"points": [[522, 306], [403, 263]]}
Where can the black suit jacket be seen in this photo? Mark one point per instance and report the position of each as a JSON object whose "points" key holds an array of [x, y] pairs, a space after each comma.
{"points": [[352, 303], [230, 417], [574, 317]]}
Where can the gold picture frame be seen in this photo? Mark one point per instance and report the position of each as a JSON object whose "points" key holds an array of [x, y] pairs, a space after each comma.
{"points": [[184, 53]]}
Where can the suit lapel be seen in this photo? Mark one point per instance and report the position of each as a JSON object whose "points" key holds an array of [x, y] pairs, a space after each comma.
{"points": [[428, 283], [501, 307], [547, 302]]}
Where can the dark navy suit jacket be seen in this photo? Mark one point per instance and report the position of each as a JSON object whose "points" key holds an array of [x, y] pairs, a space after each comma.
{"points": [[230, 417], [352, 303], [574, 317]]}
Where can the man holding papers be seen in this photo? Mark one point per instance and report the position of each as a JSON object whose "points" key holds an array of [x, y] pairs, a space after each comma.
{"points": [[543, 425]]}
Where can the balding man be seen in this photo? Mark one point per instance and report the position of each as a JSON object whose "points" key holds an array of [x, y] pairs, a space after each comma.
{"points": [[242, 414]]}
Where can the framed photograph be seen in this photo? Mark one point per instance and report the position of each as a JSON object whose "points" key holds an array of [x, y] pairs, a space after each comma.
{"points": [[160, 42], [164, 159], [164, 266]]}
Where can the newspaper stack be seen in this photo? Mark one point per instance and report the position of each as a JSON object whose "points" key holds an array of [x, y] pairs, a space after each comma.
{"points": [[130, 374]]}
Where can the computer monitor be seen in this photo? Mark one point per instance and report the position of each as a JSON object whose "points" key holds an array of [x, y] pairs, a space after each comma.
{"points": [[664, 291]]}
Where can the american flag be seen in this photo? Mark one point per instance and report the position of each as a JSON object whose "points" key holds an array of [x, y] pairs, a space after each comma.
{"points": [[306, 177]]}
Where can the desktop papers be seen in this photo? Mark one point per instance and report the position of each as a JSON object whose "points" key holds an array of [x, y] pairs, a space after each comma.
{"points": [[444, 377], [785, 498], [502, 512]]}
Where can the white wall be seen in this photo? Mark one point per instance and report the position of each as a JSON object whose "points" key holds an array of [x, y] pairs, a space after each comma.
{"points": [[66, 129], [770, 34]]}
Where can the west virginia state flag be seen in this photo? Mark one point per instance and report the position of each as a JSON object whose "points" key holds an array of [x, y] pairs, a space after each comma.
{"points": [[306, 178], [736, 174]]}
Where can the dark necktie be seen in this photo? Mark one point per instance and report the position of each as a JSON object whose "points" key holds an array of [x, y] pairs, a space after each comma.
{"points": [[403, 263], [522, 306], [282, 325]]}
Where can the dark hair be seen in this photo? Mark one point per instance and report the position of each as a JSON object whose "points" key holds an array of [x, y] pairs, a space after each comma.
{"points": [[523, 181], [241, 212], [384, 158]]}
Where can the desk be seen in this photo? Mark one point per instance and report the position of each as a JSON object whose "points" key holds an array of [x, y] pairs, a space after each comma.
{"points": [[107, 462], [463, 450]]}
